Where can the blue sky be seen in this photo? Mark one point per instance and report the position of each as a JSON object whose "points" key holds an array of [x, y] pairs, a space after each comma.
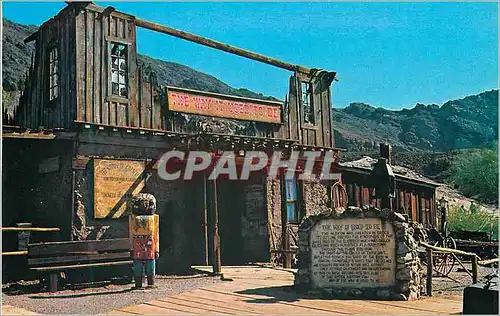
{"points": [[386, 54]]}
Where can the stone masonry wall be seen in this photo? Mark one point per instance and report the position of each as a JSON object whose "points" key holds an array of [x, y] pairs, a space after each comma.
{"points": [[315, 197], [408, 279], [274, 212]]}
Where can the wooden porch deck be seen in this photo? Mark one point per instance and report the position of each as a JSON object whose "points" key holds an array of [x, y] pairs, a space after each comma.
{"points": [[260, 290]]}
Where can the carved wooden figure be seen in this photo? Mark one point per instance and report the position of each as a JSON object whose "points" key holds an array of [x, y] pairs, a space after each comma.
{"points": [[145, 239]]}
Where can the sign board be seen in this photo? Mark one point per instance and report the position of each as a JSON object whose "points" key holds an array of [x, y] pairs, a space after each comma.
{"points": [[225, 106], [353, 252], [114, 182]]}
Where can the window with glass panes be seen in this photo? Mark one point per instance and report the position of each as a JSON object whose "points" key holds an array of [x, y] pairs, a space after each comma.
{"points": [[307, 106], [53, 74], [119, 85], [292, 211]]}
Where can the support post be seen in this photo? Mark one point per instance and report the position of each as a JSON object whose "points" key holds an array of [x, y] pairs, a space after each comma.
{"points": [[216, 262], [428, 282], [474, 269], [205, 218], [287, 256], [53, 282]]}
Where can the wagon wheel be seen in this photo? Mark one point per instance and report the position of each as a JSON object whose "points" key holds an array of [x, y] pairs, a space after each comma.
{"points": [[445, 262]]}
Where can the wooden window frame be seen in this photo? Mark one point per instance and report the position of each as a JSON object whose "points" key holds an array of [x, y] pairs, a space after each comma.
{"points": [[110, 96], [309, 97], [54, 46], [295, 202]]}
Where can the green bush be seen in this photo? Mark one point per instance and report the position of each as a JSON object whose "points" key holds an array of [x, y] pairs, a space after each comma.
{"points": [[476, 174], [459, 220]]}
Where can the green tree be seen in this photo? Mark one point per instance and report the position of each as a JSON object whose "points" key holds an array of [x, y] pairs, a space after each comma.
{"points": [[476, 174]]}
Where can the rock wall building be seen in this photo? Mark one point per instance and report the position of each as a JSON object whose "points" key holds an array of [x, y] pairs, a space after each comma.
{"points": [[92, 123]]}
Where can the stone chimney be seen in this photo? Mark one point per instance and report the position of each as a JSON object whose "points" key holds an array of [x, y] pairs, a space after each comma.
{"points": [[385, 152]]}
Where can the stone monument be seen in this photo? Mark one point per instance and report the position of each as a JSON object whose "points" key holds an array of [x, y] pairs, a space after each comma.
{"points": [[359, 253]]}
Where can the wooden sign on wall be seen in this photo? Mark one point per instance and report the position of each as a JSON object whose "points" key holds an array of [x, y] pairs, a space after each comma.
{"points": [[114, 182], [218, 105]]}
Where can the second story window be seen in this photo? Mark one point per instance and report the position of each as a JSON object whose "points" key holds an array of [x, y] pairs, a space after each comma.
{"points": [[307, 105], [119, 83], [53, 74]]}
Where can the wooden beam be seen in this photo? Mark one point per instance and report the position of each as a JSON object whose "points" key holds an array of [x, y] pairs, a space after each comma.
{"points": [[487, 262], [31, 38], [448, 250], [31, 229], [221, 46], [15, 253], [79, 266]]}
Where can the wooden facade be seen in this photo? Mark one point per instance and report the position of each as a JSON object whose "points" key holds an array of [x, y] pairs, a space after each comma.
{"points": [[86, 120], [414, 197], [84, 35]]}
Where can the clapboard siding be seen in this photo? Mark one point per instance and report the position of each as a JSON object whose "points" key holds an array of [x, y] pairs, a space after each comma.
{"points": [[417, 201], [35, 110], [84, 33], [96, 104]]}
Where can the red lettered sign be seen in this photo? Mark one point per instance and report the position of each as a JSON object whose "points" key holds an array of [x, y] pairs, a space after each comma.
{"points": [[211, 104]]}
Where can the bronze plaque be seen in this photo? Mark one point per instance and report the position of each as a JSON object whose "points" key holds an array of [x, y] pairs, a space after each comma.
{"points": [[218, 105], [115, 181]]}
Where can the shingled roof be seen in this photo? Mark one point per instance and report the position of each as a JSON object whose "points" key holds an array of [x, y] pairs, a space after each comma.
{"points": [[366, 163]]}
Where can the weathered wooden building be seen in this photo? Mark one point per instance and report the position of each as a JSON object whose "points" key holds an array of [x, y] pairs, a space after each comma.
{"points": [[92, 123], [415, 194]]}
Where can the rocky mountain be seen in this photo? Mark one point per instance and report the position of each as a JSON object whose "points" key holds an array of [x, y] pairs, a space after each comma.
{"points": [[16, 55], [465, 123]]}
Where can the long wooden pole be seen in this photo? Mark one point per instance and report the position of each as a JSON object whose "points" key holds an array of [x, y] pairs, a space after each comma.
{"points": [[220, 46]]}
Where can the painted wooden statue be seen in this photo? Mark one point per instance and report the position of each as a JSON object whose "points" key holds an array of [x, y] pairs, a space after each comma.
{"points": [[144, 236]]}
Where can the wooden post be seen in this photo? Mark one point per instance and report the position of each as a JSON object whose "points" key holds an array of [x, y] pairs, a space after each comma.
{"points": [[428, 282], [474, 269], [287, 257], [216, 263], [73, 204], [53, 282], [205, 218]]}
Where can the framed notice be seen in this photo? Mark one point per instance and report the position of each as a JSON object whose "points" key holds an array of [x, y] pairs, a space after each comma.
{"points": [[225, 106], [115, 181]]}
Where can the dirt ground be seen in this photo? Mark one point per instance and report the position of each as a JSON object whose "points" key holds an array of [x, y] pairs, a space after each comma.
{"points": [[98, 298], [105, 297], [457, 280]]}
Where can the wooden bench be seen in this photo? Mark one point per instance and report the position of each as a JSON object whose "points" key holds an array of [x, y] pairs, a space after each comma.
{"points": [[54, 257]]}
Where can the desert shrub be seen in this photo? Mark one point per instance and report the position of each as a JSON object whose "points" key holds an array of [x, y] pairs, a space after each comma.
{"points": [[480, 221], [476, 174]]}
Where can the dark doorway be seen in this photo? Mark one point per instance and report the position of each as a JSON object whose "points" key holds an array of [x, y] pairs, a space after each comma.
{"points": [[230, 203]]}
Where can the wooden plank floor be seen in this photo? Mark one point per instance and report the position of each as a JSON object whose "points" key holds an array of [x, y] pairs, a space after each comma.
{"points": [[258, 290]]}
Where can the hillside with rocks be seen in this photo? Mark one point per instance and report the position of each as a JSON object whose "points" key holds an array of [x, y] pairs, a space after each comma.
{"points": [[470, 122]]}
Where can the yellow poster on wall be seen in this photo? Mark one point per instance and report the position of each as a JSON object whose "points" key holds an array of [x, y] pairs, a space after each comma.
{"points": [[115, 181]]}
